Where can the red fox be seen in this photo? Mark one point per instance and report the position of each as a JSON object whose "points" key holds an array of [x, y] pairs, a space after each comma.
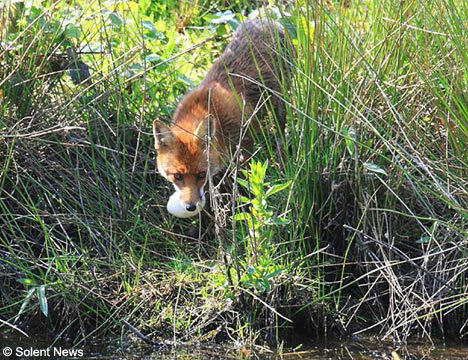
{"points": [[208, 122]]}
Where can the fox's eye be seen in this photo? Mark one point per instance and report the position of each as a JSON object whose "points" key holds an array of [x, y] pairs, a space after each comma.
{"points": [[178, 177], [201, 175]]}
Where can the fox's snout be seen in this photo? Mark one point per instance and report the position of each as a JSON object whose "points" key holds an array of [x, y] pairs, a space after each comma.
{"points": [[192, 195], [192, 198]]}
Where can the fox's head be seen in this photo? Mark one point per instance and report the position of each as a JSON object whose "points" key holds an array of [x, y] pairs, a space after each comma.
{"points": [[193, 146], [187, 151], [185, 159]]}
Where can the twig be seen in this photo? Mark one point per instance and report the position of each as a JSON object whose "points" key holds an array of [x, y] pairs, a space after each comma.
{"points": [[141, 336]]}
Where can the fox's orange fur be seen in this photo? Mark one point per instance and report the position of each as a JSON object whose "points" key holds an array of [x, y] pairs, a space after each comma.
{"points": [[208, 121]]}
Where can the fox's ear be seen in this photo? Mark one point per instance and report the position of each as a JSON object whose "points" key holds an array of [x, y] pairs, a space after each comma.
{"points": [[163, 135], [206, 128]]}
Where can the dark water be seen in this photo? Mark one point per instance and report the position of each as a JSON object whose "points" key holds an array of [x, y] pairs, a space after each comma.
{"points": [[42, 346]]}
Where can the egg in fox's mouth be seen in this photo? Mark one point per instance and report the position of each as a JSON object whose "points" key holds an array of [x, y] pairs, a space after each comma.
{"points": [[180, 209]]}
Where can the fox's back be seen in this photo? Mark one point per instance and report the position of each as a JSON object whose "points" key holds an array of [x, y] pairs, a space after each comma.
{"points": [[252, 60]]}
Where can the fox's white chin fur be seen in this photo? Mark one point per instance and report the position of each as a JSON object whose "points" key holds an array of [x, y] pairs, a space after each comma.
{"points": [[177, 208]]}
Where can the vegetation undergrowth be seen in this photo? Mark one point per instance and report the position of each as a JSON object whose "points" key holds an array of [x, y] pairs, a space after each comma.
{"points": [[360, 227]]}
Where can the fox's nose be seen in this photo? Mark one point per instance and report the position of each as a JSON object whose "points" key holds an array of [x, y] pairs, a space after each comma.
{"points": [[191, 207]]}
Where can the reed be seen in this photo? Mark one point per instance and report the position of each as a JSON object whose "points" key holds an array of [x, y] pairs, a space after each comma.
{"points": [[366, 230]]}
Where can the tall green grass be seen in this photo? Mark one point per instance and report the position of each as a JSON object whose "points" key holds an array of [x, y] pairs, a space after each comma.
{"points": [[370, 236], [378, 158]]}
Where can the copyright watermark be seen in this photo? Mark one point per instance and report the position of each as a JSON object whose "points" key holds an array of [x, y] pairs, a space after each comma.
{"points": [[46, 352]]}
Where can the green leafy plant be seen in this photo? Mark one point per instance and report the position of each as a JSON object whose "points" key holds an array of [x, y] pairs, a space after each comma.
{"points": [[260, 216], [37, 289], [261, 220]]}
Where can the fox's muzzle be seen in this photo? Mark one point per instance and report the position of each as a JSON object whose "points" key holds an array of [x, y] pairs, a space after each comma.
{"points": [[192, 199]]}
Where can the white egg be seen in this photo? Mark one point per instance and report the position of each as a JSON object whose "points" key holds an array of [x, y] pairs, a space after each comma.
{"points": [[175, 207]]}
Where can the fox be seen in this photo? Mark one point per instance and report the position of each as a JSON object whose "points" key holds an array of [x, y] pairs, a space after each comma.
{"points": [[208, 123]]}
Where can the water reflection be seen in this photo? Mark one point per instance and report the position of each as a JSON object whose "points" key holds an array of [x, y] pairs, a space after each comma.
{"points": [[43, 346]]}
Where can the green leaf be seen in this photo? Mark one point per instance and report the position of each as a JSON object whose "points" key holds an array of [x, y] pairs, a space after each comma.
{"points": [[258, 204], [153, 58], [274, 273], [374, 168], [234, 23], [148, 25], [73, 31], [277, 188], [241, 217], [186, 80], [289, 25], [27, 282], [245, 200], [243, 183], [221, 30], [424, 240], [25, 303], [277, 221], [115, 19], [350, 138], [42, 300], [257, 188], [223, 17], [125, 5], [264, 169]]}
